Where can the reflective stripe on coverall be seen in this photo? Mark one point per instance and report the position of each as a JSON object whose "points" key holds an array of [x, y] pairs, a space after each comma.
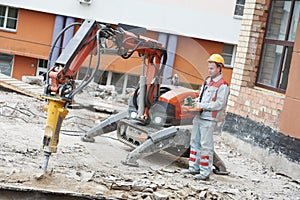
{"points": [[214, 100]]}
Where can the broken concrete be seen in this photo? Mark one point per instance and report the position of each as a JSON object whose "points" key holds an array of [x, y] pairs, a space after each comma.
{"points": [[94, 169]]}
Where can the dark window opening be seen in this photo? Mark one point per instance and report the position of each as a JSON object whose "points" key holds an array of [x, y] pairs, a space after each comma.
{"points": [[278, 45], [8, 17], [6, 64], [239, 8], [228, 53]]}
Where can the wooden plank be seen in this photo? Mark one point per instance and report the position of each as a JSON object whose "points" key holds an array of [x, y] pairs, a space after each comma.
{"points": [[21, 87]]}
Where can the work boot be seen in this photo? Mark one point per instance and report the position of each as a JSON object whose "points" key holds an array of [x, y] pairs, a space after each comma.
{"points": [[200, 177], [188, 171]]}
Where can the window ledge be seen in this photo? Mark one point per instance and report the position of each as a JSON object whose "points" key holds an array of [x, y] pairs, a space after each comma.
{"points": [[8, 30], [237, 17], [269, 91], [228, 66]]}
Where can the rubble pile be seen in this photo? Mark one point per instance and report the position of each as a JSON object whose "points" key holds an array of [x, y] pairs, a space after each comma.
{"points": [[107, 92], [95, 169]]}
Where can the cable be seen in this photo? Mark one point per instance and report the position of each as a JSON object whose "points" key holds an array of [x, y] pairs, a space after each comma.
{"points": [[20, 40], [54, 43], [83, 84], [22, 112], [201, 78], [9, 116]]}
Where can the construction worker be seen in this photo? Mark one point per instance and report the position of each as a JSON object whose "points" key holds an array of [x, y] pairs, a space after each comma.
{"points": [[212, 102]]}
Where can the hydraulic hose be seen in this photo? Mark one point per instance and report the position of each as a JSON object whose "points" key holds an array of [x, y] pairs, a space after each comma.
{"points": [[54, 44]]}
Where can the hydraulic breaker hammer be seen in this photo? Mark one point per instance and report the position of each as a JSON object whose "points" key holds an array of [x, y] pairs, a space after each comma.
{"points": [[56, 113]]}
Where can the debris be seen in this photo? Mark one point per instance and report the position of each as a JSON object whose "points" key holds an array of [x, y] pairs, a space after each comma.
{"points": [[39, 176], [161, 195], [37, 80], [255, 180], [95, 169], [202, 194], [137, 186], [149, 190], [119, 185]]}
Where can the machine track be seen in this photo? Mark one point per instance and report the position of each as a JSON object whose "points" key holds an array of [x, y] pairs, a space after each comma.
{"points": [[133, 133]]}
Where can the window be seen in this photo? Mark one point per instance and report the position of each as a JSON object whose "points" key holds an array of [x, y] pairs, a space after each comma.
{"points": [[278, 45], [6, 64], [239, 8], [101, 77], [133, 80], [117, 80], [43, 63], [8, 18], [228, 54], [42, 68]]}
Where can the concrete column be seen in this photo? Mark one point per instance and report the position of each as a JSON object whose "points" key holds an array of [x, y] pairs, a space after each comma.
{"points": [[163, 39], [109, 76], [125, 83], [69, 33], [171, 49], [58, 26]]}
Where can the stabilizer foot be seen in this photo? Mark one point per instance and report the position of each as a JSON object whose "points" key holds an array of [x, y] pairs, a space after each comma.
{"points": [[218, 172], [87, 139], [131, 164]]}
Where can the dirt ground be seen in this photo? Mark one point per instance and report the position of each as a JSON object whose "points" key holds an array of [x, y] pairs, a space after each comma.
{"points": [[95, 169]]}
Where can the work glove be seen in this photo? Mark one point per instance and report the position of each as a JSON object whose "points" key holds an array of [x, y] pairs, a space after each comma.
{"points": [[188, 101], [197, 105]]}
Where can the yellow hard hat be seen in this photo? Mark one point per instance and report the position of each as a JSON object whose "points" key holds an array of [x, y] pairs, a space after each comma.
{"points": [[216, 58]]}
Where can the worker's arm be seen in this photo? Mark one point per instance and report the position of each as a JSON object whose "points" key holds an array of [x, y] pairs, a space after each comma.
{"points": [[222, 96]]}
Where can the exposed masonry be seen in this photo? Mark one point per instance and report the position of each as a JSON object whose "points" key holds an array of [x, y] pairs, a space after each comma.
{"points": [[258, 134], [245, 100]]}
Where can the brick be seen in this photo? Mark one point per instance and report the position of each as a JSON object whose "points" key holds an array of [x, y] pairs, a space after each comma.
{"points": [[246, 78], [261, 2], [250, 1], [236, 87], [244, 84], [249, 11], [239, 82], [259, 7], [234, 92], [246, 27], [279, 106], [248, 67], [239, 71], [273, 105], [247, 17], [274, 112], [230, 104]]}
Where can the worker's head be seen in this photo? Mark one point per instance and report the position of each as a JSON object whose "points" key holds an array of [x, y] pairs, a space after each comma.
{"points": [[215, 64]]}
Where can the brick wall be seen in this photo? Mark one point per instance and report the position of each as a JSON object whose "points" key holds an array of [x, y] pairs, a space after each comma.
{"points": [[245, 99], [259, 106]]}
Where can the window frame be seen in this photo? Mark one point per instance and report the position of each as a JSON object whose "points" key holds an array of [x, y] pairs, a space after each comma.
{"points": [[238, 16], [12, 63], [232, 58], [4, 27], [284, 43]]}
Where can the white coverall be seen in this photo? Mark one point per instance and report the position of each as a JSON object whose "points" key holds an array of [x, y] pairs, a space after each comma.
{"points": [[213, 102]]}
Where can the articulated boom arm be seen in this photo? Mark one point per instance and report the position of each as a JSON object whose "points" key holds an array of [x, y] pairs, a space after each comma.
{"points": [[90, 37]]}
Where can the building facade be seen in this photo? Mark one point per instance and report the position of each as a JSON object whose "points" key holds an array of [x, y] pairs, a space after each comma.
{"points": [[29, 29], [259, 39], [264, 107]]}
